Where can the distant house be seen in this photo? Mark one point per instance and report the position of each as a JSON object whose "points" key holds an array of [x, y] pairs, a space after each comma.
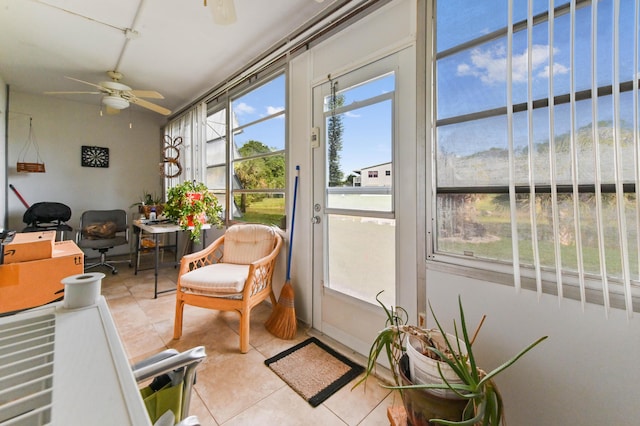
{"points": [[378, 175]]}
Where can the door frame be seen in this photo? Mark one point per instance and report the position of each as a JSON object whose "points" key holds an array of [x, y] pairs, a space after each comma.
{"points": [[405, 176]]}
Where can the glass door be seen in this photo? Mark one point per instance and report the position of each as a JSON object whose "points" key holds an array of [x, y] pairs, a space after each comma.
{"points": [[354, 202]]}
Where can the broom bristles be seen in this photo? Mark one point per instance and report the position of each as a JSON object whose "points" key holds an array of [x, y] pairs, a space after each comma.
{"points": [[282, 323]]}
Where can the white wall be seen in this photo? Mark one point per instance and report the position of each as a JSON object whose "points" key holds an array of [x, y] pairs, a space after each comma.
{"points": [[585, 373], [61, 128], [3, 153]]}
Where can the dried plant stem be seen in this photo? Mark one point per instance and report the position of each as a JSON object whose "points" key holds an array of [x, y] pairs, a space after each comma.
{"points": [[473, 339]]}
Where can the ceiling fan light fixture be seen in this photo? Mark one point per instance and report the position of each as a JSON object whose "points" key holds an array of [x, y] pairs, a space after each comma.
{"points": [[223, 11], [115, 102]]}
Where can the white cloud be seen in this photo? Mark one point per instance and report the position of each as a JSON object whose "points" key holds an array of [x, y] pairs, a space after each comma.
{"points": [[490, 65], [557, 69], [273, 109], [243, 108], [539, 57]]}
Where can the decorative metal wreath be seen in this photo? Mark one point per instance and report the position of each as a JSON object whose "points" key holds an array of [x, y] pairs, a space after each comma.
{"points": [[170, 166]]}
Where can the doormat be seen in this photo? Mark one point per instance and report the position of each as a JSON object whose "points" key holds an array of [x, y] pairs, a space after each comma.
{"points": [[314, 370]]}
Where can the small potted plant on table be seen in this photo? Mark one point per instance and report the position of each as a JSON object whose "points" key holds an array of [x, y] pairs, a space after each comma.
{"points": [[191, 205], [460, 393], [149, 202]]}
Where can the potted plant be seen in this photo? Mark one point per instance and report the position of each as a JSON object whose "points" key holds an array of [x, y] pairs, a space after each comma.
{"points": [[148, 202], [475, 397], [191, 204]]}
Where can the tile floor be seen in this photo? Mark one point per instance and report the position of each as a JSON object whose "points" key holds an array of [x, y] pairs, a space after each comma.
{"points": [[232, 388]]}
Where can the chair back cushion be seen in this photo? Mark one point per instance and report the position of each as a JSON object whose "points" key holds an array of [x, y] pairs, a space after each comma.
{"points": [[46, 212], [246, 243]]}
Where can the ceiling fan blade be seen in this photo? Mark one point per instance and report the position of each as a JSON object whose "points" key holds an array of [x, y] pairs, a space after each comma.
{"points": [[102, 88], [149, 105], [151, 94], [72, 93], [112, 111]]}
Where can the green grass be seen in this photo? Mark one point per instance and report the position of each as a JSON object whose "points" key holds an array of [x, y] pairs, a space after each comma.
{"points": [[269, 211]]}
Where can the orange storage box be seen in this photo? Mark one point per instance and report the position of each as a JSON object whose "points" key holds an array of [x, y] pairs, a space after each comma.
{"points": [[29, 284], [29, 246]]}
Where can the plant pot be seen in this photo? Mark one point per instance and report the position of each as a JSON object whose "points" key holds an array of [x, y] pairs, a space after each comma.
{"points": [[146, 209], [422, 405], [423, 369], [191, 220], [194, 196]]}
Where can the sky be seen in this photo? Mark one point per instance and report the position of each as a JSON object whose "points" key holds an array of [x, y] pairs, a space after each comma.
{"points": [[367, 130], [475, 79]]}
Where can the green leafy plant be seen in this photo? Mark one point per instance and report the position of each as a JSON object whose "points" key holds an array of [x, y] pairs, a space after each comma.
{"points": [[484, 402], [148, 199], [191, 204]]}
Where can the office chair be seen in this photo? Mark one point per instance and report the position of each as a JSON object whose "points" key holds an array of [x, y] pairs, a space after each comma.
{"points": [[103, 230], [47, 216]]}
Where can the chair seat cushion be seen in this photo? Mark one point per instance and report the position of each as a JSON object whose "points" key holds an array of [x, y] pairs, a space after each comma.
{"points": [[103, 243], [217, 278]]}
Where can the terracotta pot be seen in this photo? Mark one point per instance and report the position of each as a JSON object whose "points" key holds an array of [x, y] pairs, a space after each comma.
{"points": [[422, 406]]}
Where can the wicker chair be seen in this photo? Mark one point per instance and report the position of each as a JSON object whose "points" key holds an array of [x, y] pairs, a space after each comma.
{"points": [[234, 273]]}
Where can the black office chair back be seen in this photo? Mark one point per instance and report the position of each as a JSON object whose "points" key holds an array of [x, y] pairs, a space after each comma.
{"points": [[46, 212], [48, 216]]}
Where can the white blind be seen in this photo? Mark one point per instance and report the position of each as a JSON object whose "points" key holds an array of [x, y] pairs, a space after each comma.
{"points": [[191, 127]]}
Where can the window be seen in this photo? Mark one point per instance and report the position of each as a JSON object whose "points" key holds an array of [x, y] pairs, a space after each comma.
{"points": [[387, 172], [245, 153], [536, 143], [216, 154], [360, 220]]}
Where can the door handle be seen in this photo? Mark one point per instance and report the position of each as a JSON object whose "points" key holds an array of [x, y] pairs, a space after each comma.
{"points": [[315, 220]]}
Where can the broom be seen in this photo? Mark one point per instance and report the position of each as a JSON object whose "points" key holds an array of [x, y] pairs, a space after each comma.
{"points": [[282, 323]]}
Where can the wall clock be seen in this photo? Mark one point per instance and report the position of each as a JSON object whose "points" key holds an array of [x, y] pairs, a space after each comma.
{"points": [[95, 156]]}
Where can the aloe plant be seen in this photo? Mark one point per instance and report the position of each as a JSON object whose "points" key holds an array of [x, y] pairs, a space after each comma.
{"points": [[484, 402]]}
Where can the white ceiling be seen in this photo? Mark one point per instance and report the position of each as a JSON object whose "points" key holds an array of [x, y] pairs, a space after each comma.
{"points": [[179, 52]]}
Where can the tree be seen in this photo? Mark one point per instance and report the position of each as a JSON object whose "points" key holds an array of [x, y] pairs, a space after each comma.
{"points": [[266, 172], [349, 180], [334, 130]]}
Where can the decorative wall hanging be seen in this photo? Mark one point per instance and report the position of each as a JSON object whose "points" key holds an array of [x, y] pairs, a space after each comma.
{"points": [[22, 165], [170, 166], [95, 156]]}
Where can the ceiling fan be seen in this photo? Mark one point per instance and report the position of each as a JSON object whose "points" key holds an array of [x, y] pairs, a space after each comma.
{"points": [[118, 96]]}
